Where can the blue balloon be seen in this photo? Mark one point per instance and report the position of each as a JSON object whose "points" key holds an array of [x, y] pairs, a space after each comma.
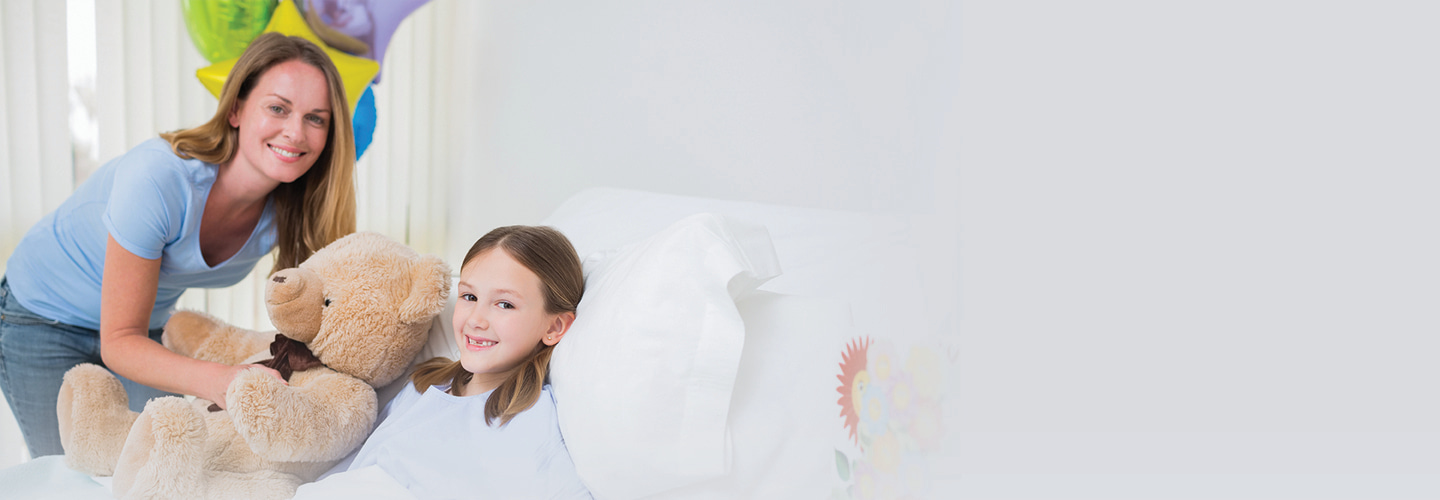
{"points": [[364, 122]]}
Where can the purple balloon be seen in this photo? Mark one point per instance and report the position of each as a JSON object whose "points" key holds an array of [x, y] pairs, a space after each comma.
{"points": [[370, 21]]}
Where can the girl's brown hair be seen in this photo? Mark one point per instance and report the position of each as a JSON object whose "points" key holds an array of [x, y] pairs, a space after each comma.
{"points": [[547, 253], [319, 207]]}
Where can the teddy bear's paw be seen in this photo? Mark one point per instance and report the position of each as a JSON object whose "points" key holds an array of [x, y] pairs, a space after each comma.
{"points": [[252, 399], [164, 455], [94, 417], [186, 331]]}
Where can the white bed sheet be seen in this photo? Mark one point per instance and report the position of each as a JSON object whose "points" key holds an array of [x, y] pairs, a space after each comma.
{"points": [[48, 478]]}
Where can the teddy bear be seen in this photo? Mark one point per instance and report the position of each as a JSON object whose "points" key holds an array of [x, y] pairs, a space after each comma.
{"points": [[349, 320]]}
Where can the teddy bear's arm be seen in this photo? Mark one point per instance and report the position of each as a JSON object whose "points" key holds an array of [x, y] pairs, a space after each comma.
{"points": [[322, 415], [201, 336]]}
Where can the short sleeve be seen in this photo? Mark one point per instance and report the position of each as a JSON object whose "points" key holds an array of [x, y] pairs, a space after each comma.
{"points": [[146, 209]]}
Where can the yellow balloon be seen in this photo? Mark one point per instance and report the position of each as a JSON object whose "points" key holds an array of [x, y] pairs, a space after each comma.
{"points": [[355, 72]]}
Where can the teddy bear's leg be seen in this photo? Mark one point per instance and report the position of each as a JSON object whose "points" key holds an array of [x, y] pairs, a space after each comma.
{"points": [[164, 456], [95, 416]]}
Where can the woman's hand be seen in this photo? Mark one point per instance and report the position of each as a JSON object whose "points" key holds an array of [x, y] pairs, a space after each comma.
{"points": [[127, 296], [219, 385]]}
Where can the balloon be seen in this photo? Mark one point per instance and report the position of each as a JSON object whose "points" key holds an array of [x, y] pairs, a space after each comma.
{"points": [[221, 29], [361, 24], [355, 72], [364, 122]]}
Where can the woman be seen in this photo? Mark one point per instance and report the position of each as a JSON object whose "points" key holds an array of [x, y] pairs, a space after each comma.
{"points": [[94, 281]]}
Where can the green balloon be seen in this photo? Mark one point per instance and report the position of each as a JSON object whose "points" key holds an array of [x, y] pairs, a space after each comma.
{"points": [[221, 29]]}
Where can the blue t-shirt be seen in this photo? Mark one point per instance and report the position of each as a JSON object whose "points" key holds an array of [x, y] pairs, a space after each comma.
{"points": [[150, 201], [437, 446]]}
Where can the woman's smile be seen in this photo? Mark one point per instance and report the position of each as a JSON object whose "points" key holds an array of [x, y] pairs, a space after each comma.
{"points": [[286, 154]]}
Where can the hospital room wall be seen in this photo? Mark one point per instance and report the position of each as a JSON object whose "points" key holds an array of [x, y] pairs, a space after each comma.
{"points": [[1199, 240], [844, 105]]}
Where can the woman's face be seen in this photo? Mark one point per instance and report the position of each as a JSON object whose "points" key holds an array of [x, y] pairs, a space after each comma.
{"points": [[500, 318], [284, 122]]}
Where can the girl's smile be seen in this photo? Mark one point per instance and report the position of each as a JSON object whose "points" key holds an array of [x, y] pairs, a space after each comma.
{"points": [[478, 344]]}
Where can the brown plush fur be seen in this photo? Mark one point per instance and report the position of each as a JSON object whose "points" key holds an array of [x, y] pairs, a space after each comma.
{"points": [[272, 437]]}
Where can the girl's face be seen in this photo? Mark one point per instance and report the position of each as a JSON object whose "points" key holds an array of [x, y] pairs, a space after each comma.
{"points": [[500, 318], [283, 123]]}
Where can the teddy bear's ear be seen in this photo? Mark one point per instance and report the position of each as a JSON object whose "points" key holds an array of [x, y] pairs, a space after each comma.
{"points": [[429, 287]]}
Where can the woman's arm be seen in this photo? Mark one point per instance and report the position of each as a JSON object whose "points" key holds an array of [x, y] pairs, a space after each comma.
{"points": [[127, 297]]}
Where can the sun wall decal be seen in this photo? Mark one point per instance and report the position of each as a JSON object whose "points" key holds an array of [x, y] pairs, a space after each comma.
{"points": [[853, 380]]}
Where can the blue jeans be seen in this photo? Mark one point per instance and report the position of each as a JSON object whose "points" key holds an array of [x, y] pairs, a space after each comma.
{"points": [[35, 353]]}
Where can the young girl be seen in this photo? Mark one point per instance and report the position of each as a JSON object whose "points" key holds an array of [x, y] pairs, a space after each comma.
{"points": [[95, 280], [485, 425]]}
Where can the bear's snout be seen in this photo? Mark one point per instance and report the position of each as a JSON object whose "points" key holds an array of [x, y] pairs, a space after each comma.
{"points": [[287, 285], [295, 298]]}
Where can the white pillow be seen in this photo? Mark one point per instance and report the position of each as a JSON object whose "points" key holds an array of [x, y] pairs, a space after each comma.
{"points": [[785, 425], [643, 379]]}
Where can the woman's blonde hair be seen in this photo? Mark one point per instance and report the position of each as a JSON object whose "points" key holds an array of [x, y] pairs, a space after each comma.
{"points": [[547, 253], [319, 207]]}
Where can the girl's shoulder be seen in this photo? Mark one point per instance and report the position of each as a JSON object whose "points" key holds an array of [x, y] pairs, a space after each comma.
{"points": [[543, 413], [547, 395]]}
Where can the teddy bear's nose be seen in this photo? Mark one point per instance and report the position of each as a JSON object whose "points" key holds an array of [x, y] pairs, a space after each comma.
{"points": [[286, 285], [295, 299]]}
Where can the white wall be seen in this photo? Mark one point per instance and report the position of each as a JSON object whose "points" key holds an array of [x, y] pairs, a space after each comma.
{"points": [[1199, 249], [840, 105]]}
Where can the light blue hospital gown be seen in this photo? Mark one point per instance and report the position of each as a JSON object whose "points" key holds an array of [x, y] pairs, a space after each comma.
{"points": [[437, 445]]}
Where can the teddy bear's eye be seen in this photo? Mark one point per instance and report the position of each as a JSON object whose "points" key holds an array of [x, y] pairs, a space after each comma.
{"points": [[327, 302]]}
